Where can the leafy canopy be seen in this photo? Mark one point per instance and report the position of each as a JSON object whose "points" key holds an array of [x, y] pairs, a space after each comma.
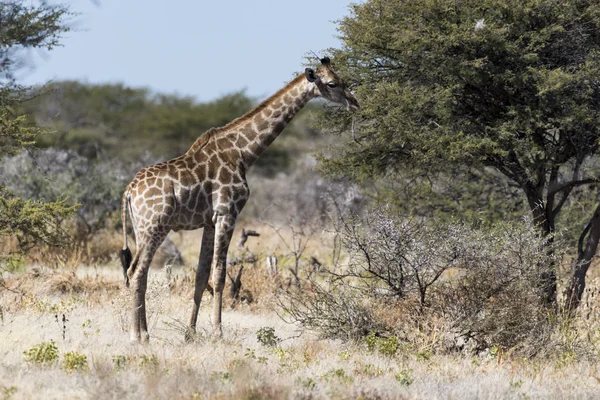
{"points": [[508, 84]]}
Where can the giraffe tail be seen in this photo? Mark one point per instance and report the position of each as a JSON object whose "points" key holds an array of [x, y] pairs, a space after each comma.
{"points": [[125, 254]]}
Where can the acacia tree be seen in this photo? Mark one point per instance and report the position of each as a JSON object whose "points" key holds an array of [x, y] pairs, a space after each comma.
{"points": [[511, 85], [24, 26]]}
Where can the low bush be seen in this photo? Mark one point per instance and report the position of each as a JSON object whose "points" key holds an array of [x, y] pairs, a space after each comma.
{"points": [[74, 361], [43, 353], [413, 281]]}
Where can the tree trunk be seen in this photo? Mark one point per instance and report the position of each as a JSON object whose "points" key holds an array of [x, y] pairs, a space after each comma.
{"points": [[544, 220], [575, 290]]}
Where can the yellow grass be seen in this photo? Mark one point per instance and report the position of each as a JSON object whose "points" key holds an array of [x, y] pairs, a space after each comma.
{"points": [[95, 306]]}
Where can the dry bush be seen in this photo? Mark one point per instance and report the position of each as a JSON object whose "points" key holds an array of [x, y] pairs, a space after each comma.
{"points": [[496, 297], [333, 310], [463, 286], [300, 193]]}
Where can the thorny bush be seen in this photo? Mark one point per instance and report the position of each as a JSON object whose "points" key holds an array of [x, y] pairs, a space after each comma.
{"points": [[482, 285]]}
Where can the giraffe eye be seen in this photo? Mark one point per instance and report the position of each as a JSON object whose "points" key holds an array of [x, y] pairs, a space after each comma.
{"points": [[331, 84]]}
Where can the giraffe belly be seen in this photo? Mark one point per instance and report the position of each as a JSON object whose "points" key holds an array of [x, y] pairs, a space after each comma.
{"points": [[193, 210]]}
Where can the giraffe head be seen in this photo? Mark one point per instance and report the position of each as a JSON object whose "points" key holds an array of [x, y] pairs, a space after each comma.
{"points": [[330, 86]]}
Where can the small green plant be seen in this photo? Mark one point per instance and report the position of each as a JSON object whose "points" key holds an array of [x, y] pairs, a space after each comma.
{"points": [[387, 346], [266, 336], [148, 361], [73, 361], [308, 383], [223, 377], [43, 353], [339, 374], [516, 384], [344, 355], [7, 391], [424, 355], [262, 360], [250, 353], [121, 361], [280, 353], [88, 325], [371, 341], [404, 377], [307, 357], [369, 370], [495, 351]]}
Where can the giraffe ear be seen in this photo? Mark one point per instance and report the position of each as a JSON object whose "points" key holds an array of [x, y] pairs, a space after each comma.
{"points": [[310, 74]]}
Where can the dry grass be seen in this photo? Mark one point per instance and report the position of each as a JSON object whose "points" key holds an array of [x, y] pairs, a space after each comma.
{"points": [[237, 366], [85, 310]]}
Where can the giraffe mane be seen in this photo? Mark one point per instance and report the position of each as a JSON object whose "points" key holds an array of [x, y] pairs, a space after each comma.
{"points": [[241, 120], [264, 104]]}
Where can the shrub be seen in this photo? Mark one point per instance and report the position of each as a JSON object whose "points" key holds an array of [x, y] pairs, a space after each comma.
{"points": [[266, 336], [50, 173], [387, 346], [496, 297], [43, 353], [334, 310], [73, 361], [481, 285], [404, 377]]}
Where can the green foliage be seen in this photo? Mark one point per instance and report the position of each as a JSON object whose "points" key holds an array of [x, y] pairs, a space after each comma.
{"points": [[404, 377], [435, 89], [266, 336], [148, 361], [74, 361], [221, 377], [508, 85], [121, 361], [518, 92], [25, 27], [43, 353], [307, 383], [96, 185], [8, 391], [387, 346], [338, 374], [15, 133], [33, 221], [126, 121], [113, 120]]}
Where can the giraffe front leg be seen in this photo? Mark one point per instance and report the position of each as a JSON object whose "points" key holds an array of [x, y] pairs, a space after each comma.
{"points": [[202, 275], [223, 230]]}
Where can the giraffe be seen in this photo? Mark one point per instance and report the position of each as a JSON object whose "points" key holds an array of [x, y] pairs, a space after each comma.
{"points": [[206, 188]]}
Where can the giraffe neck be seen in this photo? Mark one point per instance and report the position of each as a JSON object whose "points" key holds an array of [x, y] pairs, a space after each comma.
{"points": [[255, 131]]}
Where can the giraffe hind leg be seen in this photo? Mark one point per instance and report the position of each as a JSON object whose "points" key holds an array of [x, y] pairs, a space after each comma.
{"points": [[139, 278]]}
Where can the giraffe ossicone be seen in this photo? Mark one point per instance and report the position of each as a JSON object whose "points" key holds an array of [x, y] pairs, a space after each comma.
{"points": [[206, 188]]}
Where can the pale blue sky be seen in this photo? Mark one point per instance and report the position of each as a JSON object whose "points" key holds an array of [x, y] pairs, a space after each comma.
{"points": [[200, 48]]}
